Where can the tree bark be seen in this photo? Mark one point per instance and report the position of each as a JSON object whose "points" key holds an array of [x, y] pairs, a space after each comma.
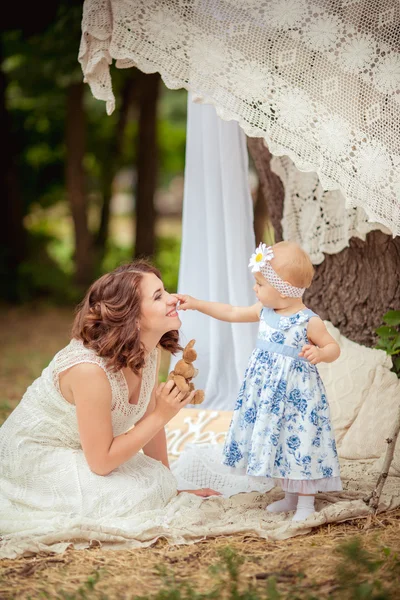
{"points": [[12, 231], [147, 165], [356, 287], [270, 186], [261, 218], [353, 288], [109, 170], [75, 183]]}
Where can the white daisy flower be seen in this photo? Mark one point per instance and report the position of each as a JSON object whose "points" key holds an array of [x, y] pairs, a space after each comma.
{"points": [[262, 254]]}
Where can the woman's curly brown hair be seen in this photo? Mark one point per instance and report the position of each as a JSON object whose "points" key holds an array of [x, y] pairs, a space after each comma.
{"points": [[106, 320]]}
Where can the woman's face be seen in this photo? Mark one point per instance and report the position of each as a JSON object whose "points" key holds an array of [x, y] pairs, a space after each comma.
{"points": [[158, 309]]}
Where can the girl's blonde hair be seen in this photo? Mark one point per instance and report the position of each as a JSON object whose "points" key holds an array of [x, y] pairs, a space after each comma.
{"points": [[293, 264]]}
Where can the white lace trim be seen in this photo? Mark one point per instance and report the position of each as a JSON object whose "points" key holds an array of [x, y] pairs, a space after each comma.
{"points": [[316, 219], [124, 414], [319, 81]]}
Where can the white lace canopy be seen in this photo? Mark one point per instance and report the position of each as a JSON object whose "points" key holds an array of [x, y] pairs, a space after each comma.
{"points": [[317, 219], [318, 79]]}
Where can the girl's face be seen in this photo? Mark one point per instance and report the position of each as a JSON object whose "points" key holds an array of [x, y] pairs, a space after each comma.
{"points": [[266, 293], [158, 309]]}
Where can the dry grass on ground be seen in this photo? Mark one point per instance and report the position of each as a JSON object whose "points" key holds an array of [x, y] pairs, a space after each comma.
{"points": [[303, 567]]}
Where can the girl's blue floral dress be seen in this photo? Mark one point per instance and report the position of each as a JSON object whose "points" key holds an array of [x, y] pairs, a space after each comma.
{"points": [[281, 427]]}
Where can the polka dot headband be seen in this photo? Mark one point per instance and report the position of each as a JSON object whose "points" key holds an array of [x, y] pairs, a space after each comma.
{"points": [[260, 263]]}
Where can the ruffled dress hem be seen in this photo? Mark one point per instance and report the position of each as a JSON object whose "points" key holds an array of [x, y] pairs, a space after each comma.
{"points": [[296, 486]]}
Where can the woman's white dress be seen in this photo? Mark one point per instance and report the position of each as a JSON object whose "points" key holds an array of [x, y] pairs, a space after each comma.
{"points": [[50, 498]]}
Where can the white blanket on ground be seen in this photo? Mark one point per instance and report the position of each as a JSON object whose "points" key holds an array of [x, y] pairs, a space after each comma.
{"points": [[358, 383]]}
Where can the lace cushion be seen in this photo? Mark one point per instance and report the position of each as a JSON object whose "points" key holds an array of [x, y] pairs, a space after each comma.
{"points": [[374, 423], [348, 379]]}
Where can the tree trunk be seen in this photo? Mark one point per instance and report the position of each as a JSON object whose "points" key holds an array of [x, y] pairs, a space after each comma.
{"points": [[111, 164], [353, 288], [356, 287], [260, 216], [12, 232], [75, 183], [270, 186], [147, 163]]}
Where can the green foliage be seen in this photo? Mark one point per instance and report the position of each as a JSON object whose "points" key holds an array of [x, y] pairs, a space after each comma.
{"points": [[5, 409], [84, 592], [167, 261], [389, 338], [357, 572], [41, 275], [357, 579], [40, 70]]}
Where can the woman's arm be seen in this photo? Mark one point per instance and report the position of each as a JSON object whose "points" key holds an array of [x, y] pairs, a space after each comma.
{"points": [[325, 348], [157, 447], [92, 397], [222, 312]]}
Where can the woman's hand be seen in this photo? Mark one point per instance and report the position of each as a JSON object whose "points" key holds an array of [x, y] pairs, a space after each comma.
{"points": [[202, 492], [169, 400], [186, 302]]}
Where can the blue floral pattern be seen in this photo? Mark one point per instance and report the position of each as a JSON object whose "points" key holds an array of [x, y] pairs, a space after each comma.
{"points": [[281, 425]]}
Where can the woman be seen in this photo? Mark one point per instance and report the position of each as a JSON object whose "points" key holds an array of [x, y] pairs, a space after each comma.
{"points": [[70, 460]]}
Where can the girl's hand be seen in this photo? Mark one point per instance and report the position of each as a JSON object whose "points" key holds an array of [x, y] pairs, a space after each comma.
{"points": [[169, 400], [311, 353], [202, 492], [185, 302]]}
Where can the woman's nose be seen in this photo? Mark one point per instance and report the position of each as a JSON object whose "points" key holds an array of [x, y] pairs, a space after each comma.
{"points": [[171, 300]]}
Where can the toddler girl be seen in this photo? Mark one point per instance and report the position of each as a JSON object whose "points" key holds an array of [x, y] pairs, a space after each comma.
{"points": [[281, 427]]}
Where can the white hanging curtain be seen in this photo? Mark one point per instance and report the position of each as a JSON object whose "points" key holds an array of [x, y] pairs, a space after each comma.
{"points": [[318, 79], [217, 241]]}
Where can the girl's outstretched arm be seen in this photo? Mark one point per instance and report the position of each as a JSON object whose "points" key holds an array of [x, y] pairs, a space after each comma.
{"points": [[220, 311], [323, 347]]}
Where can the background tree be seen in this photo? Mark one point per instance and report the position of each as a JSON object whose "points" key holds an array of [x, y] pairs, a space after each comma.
{"points": [[64, 153]]}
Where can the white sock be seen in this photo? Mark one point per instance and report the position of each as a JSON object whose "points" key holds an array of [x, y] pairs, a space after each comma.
{"points": [[289, 502], [305, 508]]}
